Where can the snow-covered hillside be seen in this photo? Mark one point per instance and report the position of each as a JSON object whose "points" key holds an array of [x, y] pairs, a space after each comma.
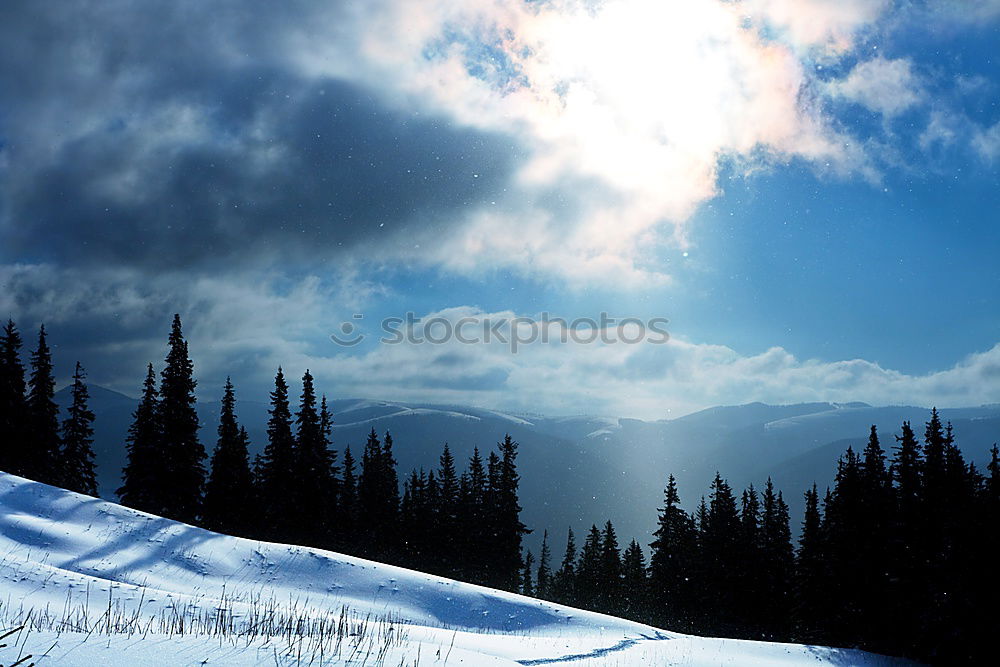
{"points": [[97, 583]]}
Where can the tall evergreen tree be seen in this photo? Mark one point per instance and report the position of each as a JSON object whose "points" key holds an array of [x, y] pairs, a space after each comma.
{"points": [[777, 559], [842, 520], [142, 486], [810, 599], [314, 471], [877, 517], [527, 585], [507, 517], [672, 561], [378, 498], [610, 592], [446, 527], [589, 570], [475, 531], [13, 407], [42, 460], [348, 505], [751, 590], [544, 579], [78, 471], [229, 492], [635, 584], [183, 454], [721, 568], [564, 580], [277, 475]]}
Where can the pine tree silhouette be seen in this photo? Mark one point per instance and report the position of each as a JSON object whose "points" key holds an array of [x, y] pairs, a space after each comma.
{"points": [[13, 407], [314, 485], [527, 585], [810, 580], [506, 517], [671, 564], [229, 492], [610, 592], [183, 454], [721, 569], [276, 476], [378, 499], [635, 584], [544, 578], [42, 453], [142, 486], [753, 590], [589, 570], [347, 528], [77, 440], [564, 580], [777, 560]]}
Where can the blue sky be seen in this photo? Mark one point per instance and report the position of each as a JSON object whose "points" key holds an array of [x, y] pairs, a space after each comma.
{"points": [[807, 190]]}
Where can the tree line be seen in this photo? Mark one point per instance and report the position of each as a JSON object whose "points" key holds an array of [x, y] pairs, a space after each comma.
{"points": [[298, 490], [33, 442], [898, 556]]}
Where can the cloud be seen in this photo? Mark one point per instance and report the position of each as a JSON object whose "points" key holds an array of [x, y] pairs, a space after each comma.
{"points": [[115, 324], [986, 142], [563, 139], [644, 380], [888, 87], [826, 26]]}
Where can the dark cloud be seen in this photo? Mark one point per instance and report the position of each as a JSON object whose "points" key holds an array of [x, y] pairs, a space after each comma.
{"points": [[178, 135]]}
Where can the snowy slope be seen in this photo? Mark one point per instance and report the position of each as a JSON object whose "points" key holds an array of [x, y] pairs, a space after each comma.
{"points": [[72, 565]]}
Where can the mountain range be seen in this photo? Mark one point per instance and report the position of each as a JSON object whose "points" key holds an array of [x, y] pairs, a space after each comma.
{"points": [[579, 470]]}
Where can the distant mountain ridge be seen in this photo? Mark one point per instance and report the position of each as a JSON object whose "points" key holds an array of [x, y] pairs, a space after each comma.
{"points": [[578, 470]]}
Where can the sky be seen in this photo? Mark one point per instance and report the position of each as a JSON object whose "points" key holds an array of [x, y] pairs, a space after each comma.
{"points": [[807, 190]]}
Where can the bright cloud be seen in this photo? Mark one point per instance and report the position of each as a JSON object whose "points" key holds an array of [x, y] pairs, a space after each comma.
{"points": [[889, 87], [644, 380], [624, 109]]}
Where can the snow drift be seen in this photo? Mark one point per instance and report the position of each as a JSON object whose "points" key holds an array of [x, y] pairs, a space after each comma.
{"points": [[90, 582]]}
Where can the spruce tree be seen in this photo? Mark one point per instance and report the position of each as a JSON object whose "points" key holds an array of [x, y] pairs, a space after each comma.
{"points": [[507, 521], [810, 599], [314, 472], [13, 407], [475, 530], [635, 584], [564, 580], [378, 498], [671, 563], [42, 453], [326, 432], [142, 487], [589, 570], [843, 518], [908, 540], [721, 568], [229, 492], [544, 579], [610, 591], [78, 439], [751, 589], [445, 529], [183, 454], [777, 560], [348, 504], [277, 474], [877, 517], [527, 585]]}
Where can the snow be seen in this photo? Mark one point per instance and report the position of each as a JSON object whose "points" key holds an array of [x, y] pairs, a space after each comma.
{"points": [[72, 565]]}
